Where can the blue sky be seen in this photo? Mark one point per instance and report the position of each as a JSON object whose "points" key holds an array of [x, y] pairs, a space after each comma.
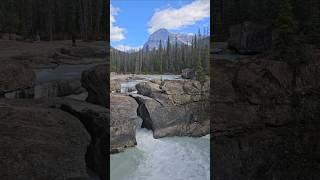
{"points": [[132, 21]]}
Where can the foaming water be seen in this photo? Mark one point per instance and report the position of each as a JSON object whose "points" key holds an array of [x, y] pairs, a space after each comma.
{"points": [[174, 158]]}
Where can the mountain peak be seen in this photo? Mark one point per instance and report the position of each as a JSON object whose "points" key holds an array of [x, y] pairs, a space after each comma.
{"points": [[160, 30], [162, 35]]}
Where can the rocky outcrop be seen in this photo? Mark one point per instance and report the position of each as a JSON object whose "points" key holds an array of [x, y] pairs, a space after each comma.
{"points": [[123, 122], [115, 85], [250, 38], [144, 89], [95, 119], [15, 76], [70, 136], [188, 73], [96, 81], [175, 108], [263, 126], [41, 143]]}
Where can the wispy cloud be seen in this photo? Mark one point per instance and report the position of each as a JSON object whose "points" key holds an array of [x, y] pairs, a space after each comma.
{"points": [[116, 32], [122, 47], [173, 19]]}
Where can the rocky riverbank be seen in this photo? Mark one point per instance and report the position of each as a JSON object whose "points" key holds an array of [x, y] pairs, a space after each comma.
{"points": [[53, 129], [176, 107]]}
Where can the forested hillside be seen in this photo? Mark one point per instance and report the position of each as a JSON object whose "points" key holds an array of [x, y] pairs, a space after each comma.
{"points": [[169, 59], [231, 12], [55, 19]]}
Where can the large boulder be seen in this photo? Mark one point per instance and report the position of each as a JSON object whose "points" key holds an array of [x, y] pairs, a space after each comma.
{"points": [[93, 121], [96, 81], [144, 88], [41, 143], [115, 85], [123, 122], [250, 38], [176, 108], [188, 73], [15, 76]]}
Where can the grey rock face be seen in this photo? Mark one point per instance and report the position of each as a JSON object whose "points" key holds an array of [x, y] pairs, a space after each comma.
{"points": [[95, 119], [64, 148], [15, 76], [188, 73], [96, 81], [163, 34], [41, 143], [178, 109], [123, 122], [262, 126], [144, 89]]}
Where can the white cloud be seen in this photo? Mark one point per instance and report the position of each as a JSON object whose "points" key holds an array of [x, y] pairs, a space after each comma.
{"points": [[122, 47], [172, 18], [116, 32]]}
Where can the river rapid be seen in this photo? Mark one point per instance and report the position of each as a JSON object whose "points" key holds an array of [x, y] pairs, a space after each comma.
{"points": [[172, 158]]}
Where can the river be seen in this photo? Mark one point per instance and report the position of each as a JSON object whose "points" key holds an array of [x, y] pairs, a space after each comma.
{"points": [[172, 158], [61, 72]]}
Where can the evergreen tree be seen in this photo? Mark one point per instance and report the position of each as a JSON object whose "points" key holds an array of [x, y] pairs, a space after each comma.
{"points": [[200, 72], [104, 19], [287, 44]]}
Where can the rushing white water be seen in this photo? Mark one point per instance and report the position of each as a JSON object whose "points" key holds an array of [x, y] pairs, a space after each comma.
{"points": [[130, 84], [172, 158]]}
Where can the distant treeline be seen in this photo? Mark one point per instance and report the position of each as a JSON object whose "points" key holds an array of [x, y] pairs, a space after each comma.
{"points": [[231, 12], [55, 19], [171, 59]]}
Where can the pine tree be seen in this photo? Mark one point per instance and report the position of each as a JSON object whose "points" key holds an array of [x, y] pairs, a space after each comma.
{"points": [[168, 54], [104, 19], [160, 56], [287, 45], [200, 72]]}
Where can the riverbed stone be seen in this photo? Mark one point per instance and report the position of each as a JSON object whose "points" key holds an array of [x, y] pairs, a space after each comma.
{"points": [[123, 122], [188, 73], [93, 120], [96, 82], [41, 143], [179, 109], [15, 76]]}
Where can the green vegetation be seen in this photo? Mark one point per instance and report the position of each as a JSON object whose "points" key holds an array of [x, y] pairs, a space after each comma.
{"points": [[55, 19], [231, 12], [287, 44], [171, 58]]}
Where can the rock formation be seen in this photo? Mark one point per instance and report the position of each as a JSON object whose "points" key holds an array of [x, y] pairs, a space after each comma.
{"points": [[174, 108], [188, 73], [123, 122], [15, 76], [263, 126], [96, 81], [41, 144]]}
